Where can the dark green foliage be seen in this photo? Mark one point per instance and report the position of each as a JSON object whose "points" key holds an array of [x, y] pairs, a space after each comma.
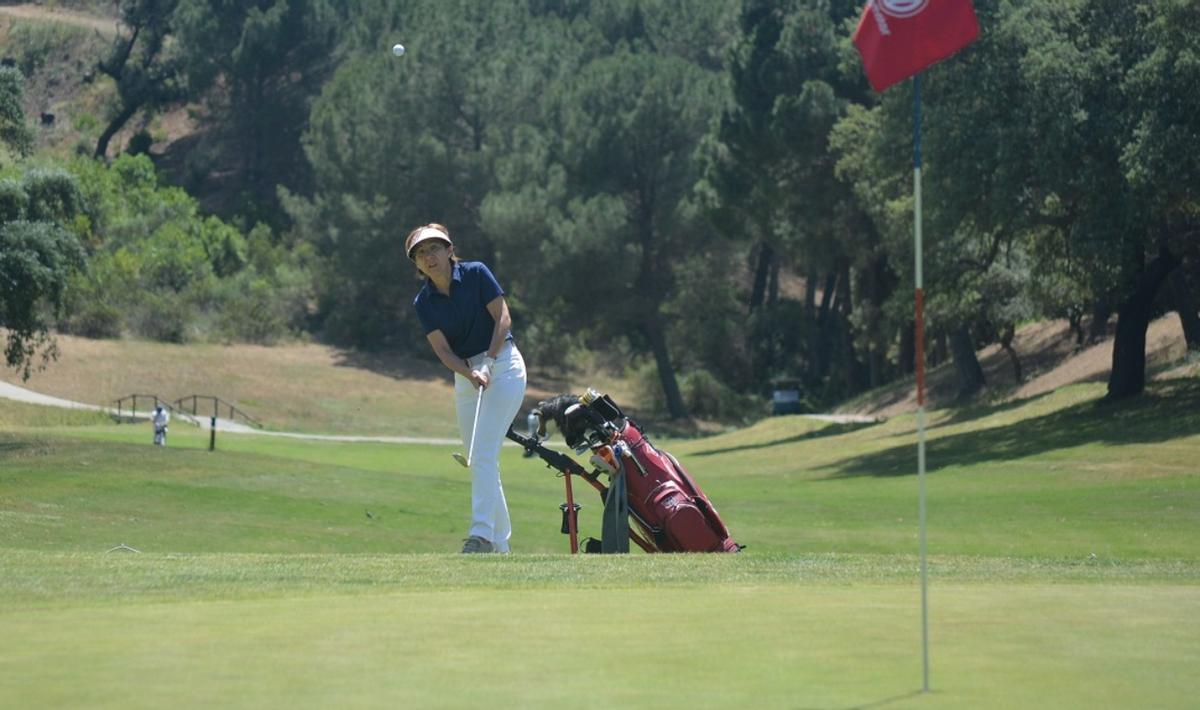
{"points": [[14, 133], [139, 143], [52, 196], [163, 271], [596, 201], [260, 63], [394, 143], [771, 185], [36, 262], [38, 259], [13, 201]]}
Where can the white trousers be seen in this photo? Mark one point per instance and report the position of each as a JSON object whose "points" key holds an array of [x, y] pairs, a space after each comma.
{"points": [[501, 401]]}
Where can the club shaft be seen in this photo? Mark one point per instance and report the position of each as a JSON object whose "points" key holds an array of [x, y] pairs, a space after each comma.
{"points": [[474, 427]]}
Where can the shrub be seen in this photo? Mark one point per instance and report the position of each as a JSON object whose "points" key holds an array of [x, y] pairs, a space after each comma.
{"points": [[12, 201], [94, 319], [86, 122], [706, 397], [164, 316], [139, 143], [13, 130], [53, 195], [250, 311]]}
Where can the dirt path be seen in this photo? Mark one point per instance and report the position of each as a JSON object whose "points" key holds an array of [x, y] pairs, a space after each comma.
{"points": [[28, 11]]}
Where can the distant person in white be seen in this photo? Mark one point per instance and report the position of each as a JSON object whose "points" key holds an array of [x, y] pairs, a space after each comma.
{"points": [[160, 419]]}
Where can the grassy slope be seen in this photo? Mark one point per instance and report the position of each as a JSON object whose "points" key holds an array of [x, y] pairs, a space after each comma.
{"points": [[1059, 476], [263, 581], [301, 387], [295, 388]]}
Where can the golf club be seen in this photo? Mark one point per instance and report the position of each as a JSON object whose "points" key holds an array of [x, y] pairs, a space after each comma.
{"points": [[466, 462]]}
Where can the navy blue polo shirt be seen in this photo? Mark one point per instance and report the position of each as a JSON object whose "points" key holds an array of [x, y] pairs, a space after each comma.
{"points": [[462, 316]]}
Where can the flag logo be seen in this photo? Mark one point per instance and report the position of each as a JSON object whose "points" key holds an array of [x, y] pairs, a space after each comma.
{"points": [[903, 8]]}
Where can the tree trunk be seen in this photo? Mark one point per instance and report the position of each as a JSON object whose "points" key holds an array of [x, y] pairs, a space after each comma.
{"points": [[773, 283], [115, 125], [822, 342], [1101, 312], [1128, 376], [810, 294], [938, 353], [908, 348], [1075, 324], [970, 374], [876, 364], [652, 330], [855, 375], [1185, 305], [762, 269], [1006, 338]]}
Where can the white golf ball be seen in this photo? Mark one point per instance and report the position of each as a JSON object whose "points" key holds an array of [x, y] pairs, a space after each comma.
{"points": [[398, 49]]}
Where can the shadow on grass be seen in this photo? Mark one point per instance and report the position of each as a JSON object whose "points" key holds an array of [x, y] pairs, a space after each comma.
{"points": [[12, 447], [823, 432], [1167, 410], [974, 411]]}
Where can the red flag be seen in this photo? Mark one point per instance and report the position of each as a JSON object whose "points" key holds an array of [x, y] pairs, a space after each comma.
{"points": [[898, 38]]}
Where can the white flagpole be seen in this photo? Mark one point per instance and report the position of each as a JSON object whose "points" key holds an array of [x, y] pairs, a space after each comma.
{"points": [[920, 368]]}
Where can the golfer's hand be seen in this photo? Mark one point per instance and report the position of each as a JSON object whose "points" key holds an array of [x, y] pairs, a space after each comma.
{"points": [[482, 375]]}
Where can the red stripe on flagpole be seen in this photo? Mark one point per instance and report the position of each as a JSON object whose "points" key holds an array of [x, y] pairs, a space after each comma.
{"points": [[920, 354]]}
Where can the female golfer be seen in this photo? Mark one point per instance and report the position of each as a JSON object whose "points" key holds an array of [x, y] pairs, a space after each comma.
{"points": [[466, 320]]}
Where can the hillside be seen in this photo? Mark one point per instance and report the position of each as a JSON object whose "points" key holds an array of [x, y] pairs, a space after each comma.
{"points": [[299, 387], [58, 46], [57, 49], [1049, 359], [321, 389], [289, 387]]}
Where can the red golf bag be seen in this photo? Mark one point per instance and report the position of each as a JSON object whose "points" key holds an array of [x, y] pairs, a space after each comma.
{"points": [[667, 510]]}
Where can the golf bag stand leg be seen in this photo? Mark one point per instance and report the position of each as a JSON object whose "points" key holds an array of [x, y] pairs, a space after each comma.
{"points": [[570, 512]]}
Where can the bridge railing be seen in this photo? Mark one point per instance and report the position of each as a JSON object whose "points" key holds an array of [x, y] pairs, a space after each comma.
{"points": [[130, 402], [199, 405]]}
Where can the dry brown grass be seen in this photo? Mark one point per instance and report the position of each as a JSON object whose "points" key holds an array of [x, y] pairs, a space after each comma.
{"points": [[302, 387], [1049, 359], [107, 26], [299, 387]]}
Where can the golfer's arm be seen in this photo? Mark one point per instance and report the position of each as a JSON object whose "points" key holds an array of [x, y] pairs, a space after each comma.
{"points": [[441, 348], [498, 308]]}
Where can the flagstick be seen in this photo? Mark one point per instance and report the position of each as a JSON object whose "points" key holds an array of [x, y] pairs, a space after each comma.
{"points": [[920, 367]]}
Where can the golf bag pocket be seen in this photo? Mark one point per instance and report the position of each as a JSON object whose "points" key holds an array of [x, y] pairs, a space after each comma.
{"points": [[682, 522]]}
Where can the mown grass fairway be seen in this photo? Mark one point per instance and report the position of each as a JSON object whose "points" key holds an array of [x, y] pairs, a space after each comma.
{"points": [[285, 573]]}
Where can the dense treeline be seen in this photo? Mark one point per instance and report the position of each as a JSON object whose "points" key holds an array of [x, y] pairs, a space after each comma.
{"points": [[709, 190]]}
